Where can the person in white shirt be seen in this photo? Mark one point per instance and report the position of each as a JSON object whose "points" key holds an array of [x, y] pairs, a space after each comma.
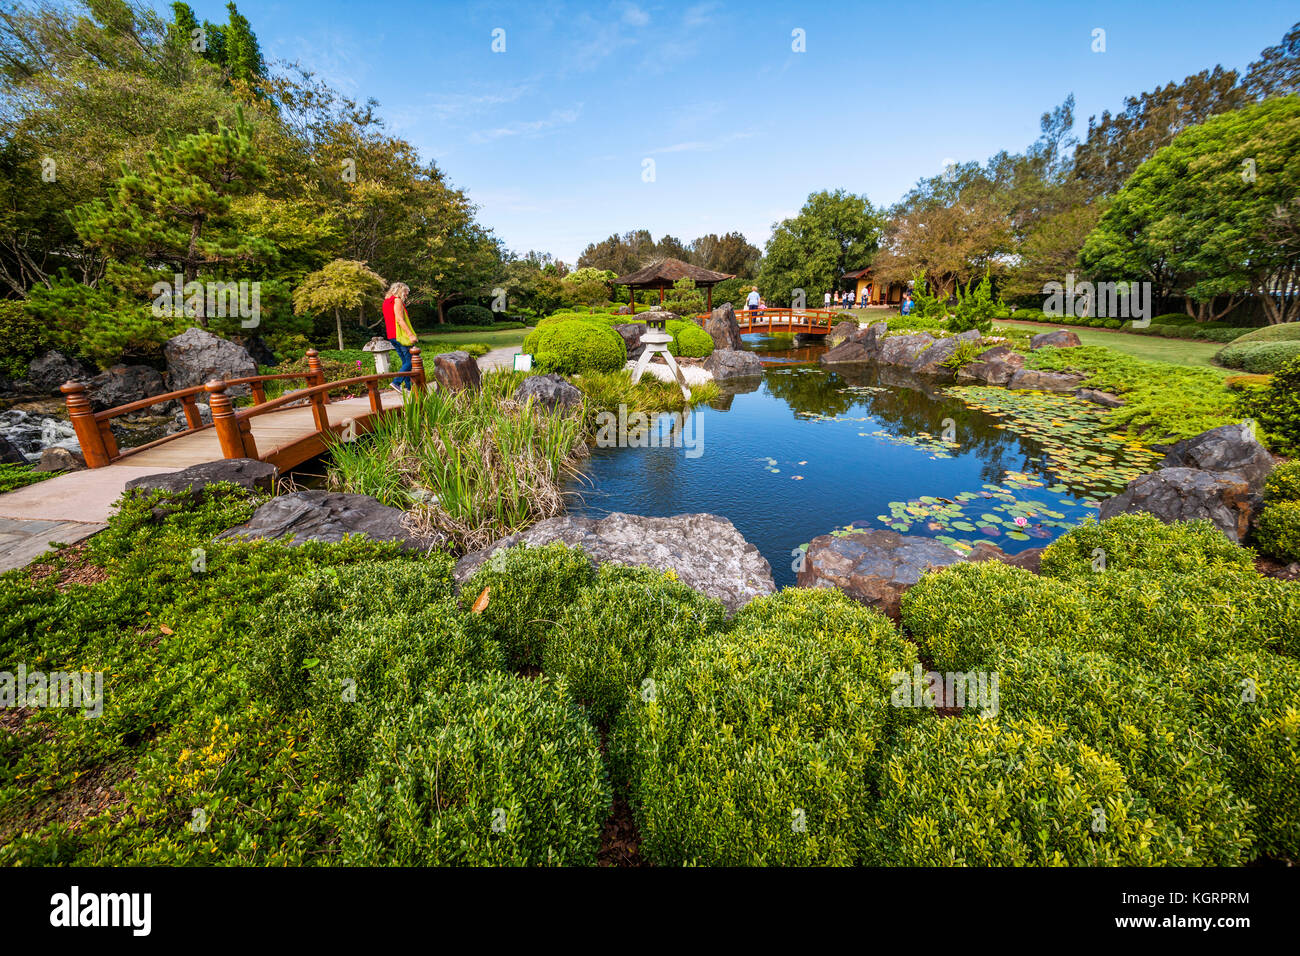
{"points": [[751, 301], [826, 300]]}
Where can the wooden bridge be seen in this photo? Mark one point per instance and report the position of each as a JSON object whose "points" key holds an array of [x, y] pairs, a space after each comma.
{"points": [[797, 321], [284, 431]]}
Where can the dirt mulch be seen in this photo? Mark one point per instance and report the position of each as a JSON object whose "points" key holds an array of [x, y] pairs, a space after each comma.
{"points": [[70, 566], [620, 842], [1276, 569]]}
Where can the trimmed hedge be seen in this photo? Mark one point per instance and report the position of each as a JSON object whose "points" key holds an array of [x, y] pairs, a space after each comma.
{"points": [[499, 772], [576, 345], [1283, 483], [470, 314], [1258, 357], [1277, 530], [1141, 542], [1276, 408], [1284, 332], [689, 339], [761, 746]]}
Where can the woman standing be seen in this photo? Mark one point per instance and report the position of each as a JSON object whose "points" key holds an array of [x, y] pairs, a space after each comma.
{"points": [[397, 327]]}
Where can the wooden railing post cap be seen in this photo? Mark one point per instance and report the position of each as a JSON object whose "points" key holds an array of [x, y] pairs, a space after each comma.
{"points": [[214, 385], [72, 388], [312, 352]]}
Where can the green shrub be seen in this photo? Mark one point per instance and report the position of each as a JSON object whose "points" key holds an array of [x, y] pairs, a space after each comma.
{"points": [[1283, 483], [1130, 716], [966, 616], [530, 588], [1141, 542], [576, 345], [1258, 357], [618, 629], [1277, 530], [689, 339], [761, 746], [470, 314], [1285, 332], [500, 772], [1276, 408], [25, 336], [977, 792]]}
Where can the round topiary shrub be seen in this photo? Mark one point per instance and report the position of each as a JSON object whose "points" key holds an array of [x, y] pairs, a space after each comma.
{"points": [[1142, 542], [1277, 530], [1133, 717], [470, 314], [529, 589], [1284, 332], [973, 792], [574, 346], [1283, 483], [968, 615], [761, 746], [689, 340], [500, 772], [1256, 356], [620, 627]]}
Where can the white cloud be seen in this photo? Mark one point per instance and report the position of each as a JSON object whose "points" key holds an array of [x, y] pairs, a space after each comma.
{"points": [[635, 16], [525, 127]]}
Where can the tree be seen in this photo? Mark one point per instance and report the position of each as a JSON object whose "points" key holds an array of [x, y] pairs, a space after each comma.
{"points": [[732, 253], [339, 285], [834, 232], [620, 254], [1215, 213], [1277, 71]]}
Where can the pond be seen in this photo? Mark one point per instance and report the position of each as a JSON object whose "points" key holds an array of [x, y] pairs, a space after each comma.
{"points": [[808, 451]]}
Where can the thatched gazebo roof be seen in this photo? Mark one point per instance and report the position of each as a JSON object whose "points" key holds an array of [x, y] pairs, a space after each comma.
{"points": [[664, 273]]}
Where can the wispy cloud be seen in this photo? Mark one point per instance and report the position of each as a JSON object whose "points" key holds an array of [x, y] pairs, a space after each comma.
{"points": [[703, 145], [634, 16], [564, 117]]}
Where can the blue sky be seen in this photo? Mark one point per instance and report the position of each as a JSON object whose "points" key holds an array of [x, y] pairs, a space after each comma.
{"points": [[550, 137]]}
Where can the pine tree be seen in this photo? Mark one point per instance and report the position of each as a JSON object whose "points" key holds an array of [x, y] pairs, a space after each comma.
{"points": [[243, 54]]}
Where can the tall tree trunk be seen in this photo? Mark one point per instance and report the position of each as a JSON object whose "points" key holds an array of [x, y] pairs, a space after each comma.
{"points": [[338, 325]]}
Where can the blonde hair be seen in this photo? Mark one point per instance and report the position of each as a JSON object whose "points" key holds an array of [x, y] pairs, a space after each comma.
{"points": [[399, 289]]}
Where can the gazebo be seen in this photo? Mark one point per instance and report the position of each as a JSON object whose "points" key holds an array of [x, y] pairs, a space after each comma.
{"points": [[662, 274]]}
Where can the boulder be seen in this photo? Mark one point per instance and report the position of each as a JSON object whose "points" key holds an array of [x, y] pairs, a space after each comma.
{"points": [[1028, 378], [455, 370], [60, 459], [1060, 339], [706, 551], [904, 349], [1097, 397], [632, 332], [846, 353], [930, 361], [328, 516], [993, 367], [723, 327], [47, 372], [842, 332], [195, 357], [1186, 494], [261, 352], [9, 453], [724, 364], [180, 423], [553, 391], [1226, 448], [247, 473], [123, 384], [873, 567]]}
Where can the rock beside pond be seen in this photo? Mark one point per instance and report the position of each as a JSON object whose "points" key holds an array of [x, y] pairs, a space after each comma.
{"points": [[930, 361], [123, 384], [1106, 399], [47, 372], [60, 459], [706, 551], [726, 364], [996, 366], [846, 352], [904, 349], [1060, 339], [327, 516], [1028, 378], [843, 331], [874, 567], [195, 357], [455, 371], [1228, 448], [632, 332], [1188, 494], [723, 327], [551, 390], [245, 472]]}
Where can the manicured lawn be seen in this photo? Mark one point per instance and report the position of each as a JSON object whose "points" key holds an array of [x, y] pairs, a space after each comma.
{"points": [[496, 338], [1149, 347]]}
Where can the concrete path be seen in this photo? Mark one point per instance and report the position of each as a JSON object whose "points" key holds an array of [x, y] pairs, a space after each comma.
{"points": [[22, 542], [503, 358]]}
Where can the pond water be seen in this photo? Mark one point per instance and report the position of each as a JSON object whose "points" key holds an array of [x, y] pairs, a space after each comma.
{"points": [[809, 451]]}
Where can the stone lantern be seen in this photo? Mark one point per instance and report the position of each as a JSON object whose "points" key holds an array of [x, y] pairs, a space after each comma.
{"points": [[382, 350]]}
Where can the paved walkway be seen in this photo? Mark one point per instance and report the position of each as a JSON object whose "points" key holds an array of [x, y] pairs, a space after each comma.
{"points": [[22, 542], [503, 358]]}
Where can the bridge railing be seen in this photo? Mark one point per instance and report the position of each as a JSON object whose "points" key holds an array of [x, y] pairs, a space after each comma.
{"points": [[795, 320], [99, 444]]}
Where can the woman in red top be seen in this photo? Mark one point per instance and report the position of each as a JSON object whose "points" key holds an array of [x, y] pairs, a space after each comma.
{"points": [[397, 327]]}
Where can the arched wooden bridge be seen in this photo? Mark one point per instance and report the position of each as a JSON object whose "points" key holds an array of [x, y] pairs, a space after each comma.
{"points": [[797, 321]]}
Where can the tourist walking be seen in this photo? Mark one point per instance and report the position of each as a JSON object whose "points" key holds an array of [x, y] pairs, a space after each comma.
{"points": [[850, 297], [907, 304], [397, 328], [752, 300], [826, 300]]}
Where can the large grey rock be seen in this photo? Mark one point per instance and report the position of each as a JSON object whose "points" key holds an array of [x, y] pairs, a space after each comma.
{"points": [[247, 473], [328, 516], [1060, 339], [847, 352], [930, 361], [842, 332], [904, 349], [632, 333], [706, 551], [9, 453], [1028, 378], [1226, 448], [993, 367], [726, 364], [552, 390], [1098, 397], [47, 372], [195, 357], [1187, 494], [723, 327], [123, 384], [873, 567], [455, 371], [60, 459]]}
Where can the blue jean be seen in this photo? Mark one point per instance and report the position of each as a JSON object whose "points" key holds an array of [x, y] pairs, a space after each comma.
{"points": [[404, 352]]}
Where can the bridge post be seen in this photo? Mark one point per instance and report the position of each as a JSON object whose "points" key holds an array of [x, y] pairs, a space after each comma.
{"points": [[417, 368], [316, 372], [234, 435], [83, 422]]}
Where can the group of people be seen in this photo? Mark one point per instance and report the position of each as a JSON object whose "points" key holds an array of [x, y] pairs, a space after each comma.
{"points": [[846, 299]]}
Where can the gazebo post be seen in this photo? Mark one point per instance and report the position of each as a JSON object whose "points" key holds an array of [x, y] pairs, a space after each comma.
{"points": [[631, 297], [661, 295], [709, 292]]}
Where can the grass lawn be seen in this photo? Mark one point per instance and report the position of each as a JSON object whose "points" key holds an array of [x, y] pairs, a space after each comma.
{"points": [[1149, 347], [495, 338]]}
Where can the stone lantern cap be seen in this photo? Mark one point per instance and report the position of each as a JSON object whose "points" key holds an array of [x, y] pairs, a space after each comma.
{"points": [[378, 344]]}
